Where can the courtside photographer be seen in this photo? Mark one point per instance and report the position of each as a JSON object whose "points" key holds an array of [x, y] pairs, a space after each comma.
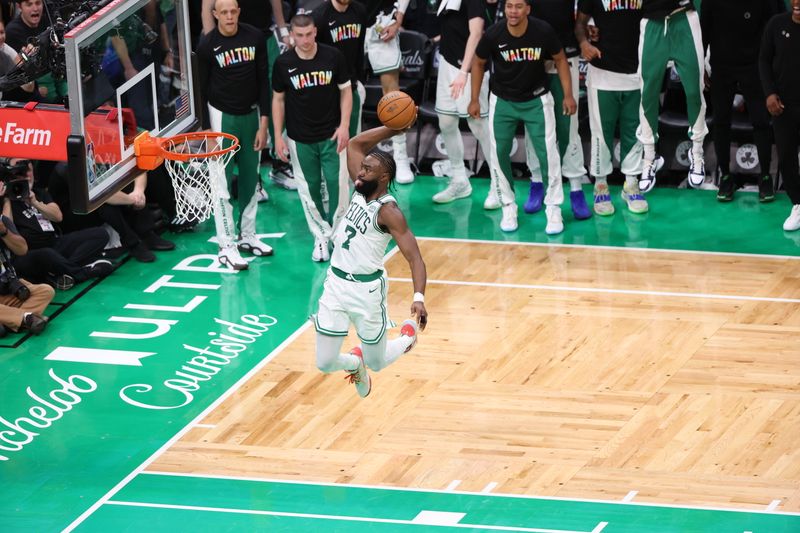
{"points": [[21, 302]]}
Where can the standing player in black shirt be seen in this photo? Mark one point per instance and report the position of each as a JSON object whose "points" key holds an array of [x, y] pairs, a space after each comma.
{"points": [[312, 93], [670, 29], [233, 76], [261, 13], [560, 14], [779, 63], [732, 30], [343, 24], [612, 86], [461, 29], [520, 92]]}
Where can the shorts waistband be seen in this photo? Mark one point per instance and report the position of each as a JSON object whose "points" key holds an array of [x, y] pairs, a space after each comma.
{"points": [[357, 277]]}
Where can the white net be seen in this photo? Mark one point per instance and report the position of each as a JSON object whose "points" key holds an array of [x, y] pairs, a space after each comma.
{"points": [[194, 180]]}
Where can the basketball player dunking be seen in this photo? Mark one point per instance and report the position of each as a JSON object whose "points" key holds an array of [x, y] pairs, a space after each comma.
{"points": [[355, 288]]}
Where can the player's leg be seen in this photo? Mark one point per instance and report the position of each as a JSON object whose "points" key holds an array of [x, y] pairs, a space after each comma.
{"points": [[630, 150], [750, 84], [787, 139], [686, 47], [653, 56], [331, 323], [331, 164], [280, 173], [390, 81], [572, 163], [447, 110], [535, 199], [359, 93], [249, 162], [307, 169], [723, 89], [370, 316], [503, 120], [223, 211], [602, 121], [540, 125]]}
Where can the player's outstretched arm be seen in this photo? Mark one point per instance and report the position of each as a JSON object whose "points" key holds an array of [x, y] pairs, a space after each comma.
{"points": [[361, 144], [392, 218]]}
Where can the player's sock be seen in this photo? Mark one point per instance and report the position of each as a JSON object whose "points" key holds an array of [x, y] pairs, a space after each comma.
{"points": [[575, 184]]}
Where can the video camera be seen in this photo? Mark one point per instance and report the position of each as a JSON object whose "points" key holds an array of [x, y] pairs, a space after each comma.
{"points": [[14, 177]]}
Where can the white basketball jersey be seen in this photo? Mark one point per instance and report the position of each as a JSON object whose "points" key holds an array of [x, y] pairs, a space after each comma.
{"points": [[359, 244]]}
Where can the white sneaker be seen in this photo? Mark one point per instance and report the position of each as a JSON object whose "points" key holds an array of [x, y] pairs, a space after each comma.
{"points": [[251, 244], [403, 175], [261, 193], [455, 190], [321, 253], [492, 202], [360, 377], [648, 178], [555, 222], [509, 220], [634, 198], [230, 257], [793, 222], [697, 170]]}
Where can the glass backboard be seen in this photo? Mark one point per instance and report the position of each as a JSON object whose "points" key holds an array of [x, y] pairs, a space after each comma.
{"points": [[128, 70]]}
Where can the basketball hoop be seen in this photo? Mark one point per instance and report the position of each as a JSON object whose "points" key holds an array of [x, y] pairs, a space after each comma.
{"points": [[195, 161]]}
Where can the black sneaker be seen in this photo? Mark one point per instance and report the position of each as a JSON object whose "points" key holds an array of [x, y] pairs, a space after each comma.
{"points": [[766, 189], [99, 269], [156, 243], [282, 176], [62, 282], [727, 186], [33, 323], [141, 253]]}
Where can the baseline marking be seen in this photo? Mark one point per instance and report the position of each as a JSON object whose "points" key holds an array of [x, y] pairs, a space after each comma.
{"points": [[343, 518], [438, 491]]}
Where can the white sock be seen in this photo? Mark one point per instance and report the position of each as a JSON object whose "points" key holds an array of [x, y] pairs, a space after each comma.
{"points": [[601, 180], [575, 184], [649, 152], [630, 181]]}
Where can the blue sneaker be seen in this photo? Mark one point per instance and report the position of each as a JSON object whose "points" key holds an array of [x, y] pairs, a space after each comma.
{"points": [[535, 198], [579, 208]]}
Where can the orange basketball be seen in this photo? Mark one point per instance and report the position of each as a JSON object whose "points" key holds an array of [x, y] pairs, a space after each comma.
{"points": [[397, 110]]}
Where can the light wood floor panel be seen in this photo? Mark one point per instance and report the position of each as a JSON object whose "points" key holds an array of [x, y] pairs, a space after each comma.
{"points": [[550, 392]]}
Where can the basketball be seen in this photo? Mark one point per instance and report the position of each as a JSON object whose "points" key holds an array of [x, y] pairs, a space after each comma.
{"points": [[397, 110]]}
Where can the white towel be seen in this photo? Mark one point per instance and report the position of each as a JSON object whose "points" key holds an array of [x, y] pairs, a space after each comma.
{"points": [[450, 5]]}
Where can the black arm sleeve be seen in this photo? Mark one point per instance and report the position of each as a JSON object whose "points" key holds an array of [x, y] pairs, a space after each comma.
{"points": [[765, 57]]}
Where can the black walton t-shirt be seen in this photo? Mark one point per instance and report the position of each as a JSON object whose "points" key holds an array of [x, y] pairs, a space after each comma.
{"points": [[345, 32], [233, 70], [455, 29], [311, 88], [618, 22], [560, 14], [518, 73]]}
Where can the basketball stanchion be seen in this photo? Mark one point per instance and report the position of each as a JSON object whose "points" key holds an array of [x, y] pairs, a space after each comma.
{"points": [[195, 162]]}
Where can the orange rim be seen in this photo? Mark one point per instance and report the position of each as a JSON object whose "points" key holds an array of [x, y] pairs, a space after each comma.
{"points": [[165, 142]]}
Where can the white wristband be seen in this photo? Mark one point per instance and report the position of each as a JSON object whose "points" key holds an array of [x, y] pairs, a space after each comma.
{"points": [[419, 297]]}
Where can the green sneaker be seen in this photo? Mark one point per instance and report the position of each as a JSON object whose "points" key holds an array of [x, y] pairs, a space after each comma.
{"points": [[766, 189], [727, 186]]}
